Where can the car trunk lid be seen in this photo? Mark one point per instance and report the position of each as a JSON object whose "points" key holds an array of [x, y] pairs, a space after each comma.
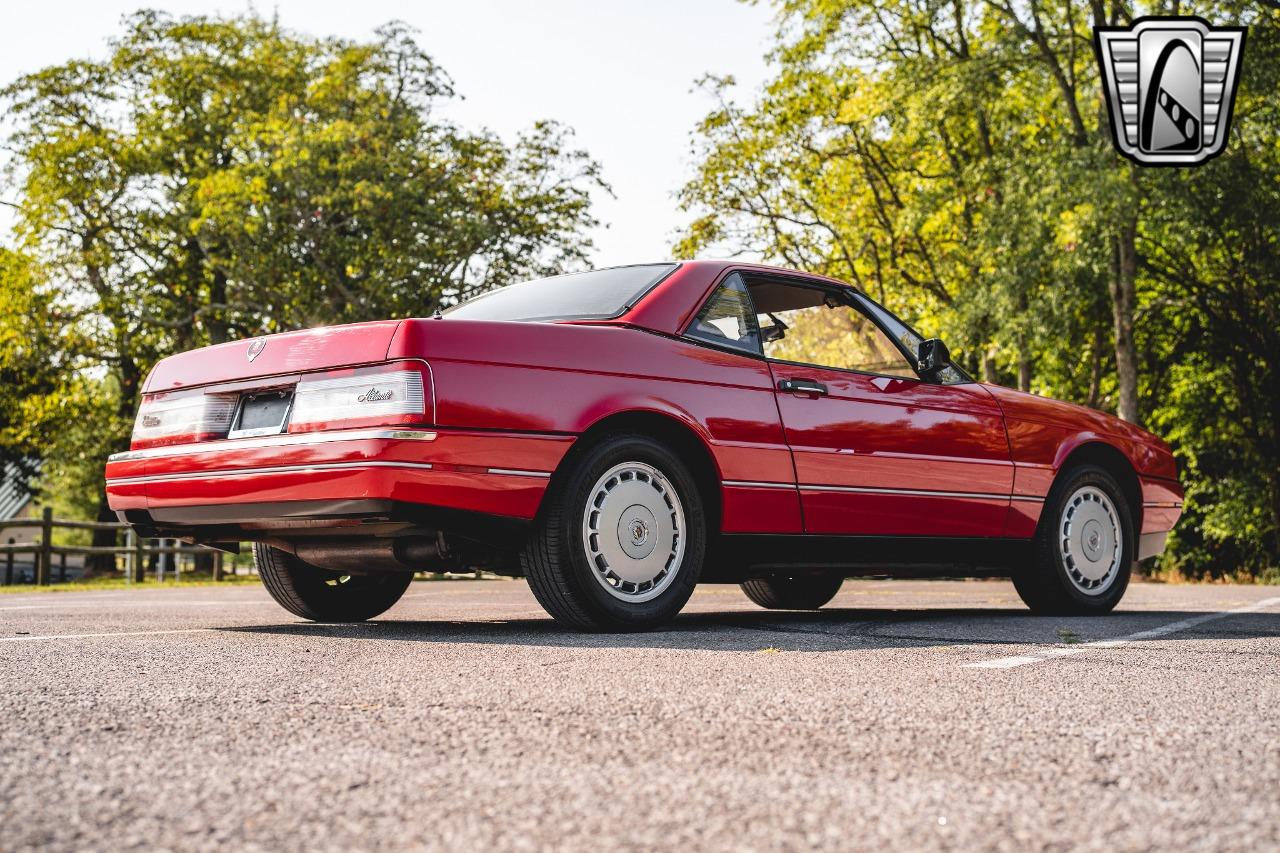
{"points": [[275, 355]]}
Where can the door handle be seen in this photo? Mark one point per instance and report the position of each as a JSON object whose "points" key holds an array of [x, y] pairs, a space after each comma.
{"points": [[803, 386]]}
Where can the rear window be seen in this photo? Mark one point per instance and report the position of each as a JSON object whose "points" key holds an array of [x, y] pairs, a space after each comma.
{"points": [[595, 295]]}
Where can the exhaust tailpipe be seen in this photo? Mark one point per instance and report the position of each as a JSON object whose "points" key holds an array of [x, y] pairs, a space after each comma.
{"points": [[378, 555]]}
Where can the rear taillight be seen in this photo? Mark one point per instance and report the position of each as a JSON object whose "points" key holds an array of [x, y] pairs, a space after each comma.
{"points": [[392, 394], [367, 396], [179, 418]]}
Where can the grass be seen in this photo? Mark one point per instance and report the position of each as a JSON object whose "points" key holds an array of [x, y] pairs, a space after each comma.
{"points": [[119, 583], [1267, 577]]}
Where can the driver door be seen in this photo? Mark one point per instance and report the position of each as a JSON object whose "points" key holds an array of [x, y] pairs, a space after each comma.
{"points": [[878, 451]]}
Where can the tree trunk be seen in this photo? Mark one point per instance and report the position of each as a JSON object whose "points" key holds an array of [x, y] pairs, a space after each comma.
{"points": [[216, 321], [1124, 273], [1095, 368], [1024, 355], [1275, 474], [989, 374]]}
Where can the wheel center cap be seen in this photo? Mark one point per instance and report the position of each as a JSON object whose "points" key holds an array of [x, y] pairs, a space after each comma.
{"points": [[636, 528], [1091, 540]]}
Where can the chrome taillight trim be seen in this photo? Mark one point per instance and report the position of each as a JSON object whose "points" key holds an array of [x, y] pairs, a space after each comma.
{"points": [[283, 440]]}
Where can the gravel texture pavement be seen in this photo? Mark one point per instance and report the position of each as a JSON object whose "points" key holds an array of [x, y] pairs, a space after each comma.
{"points": [[911, 715]]}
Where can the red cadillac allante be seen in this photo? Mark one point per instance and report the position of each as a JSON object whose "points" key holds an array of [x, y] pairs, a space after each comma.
{"points": [[618, 436]]}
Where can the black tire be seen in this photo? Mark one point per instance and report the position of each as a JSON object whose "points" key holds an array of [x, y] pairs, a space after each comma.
{"points": [[326, 596], [1046, 586], [793, 592], [555, 559]]}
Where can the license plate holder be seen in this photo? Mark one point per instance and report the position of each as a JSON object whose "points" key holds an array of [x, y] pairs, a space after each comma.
{"points": [[262, 413]]}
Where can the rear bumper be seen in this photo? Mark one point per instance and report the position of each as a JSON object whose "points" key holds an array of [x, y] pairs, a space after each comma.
{"points": [[268, 516], [502, 474], [349, 521]]}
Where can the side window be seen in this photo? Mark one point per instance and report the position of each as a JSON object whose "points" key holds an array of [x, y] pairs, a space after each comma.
{"points": [[814, 326], [728, 318]]}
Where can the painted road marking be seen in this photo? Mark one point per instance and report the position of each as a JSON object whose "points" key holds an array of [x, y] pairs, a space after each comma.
{"points": [[1150, 634]]}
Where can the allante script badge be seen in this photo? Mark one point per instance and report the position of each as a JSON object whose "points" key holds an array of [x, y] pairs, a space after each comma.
{"points": [[373, 395]]}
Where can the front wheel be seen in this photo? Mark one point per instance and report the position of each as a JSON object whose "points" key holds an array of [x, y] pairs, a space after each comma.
{"points": [[619, 542], [322, 595], [792, 592], [1084, 547]]}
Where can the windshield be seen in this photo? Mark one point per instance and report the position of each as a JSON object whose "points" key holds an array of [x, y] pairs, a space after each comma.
{"points": [[594, 295]]}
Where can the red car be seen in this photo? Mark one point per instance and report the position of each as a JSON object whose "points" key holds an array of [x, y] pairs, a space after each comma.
{"points": [[618, 436]]}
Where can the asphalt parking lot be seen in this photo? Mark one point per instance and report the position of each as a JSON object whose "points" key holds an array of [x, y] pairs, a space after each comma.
{"points": [[912, 715]]}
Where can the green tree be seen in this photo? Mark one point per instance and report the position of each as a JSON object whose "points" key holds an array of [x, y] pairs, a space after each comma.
{"points": [[953, 158], [222, 177], [28, 378]]}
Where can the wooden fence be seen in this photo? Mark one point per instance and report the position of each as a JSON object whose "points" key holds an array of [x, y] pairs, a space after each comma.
{"points": [[136, 552]]}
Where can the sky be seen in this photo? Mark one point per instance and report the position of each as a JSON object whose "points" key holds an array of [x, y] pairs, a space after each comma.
{"points": [[621, 73]]}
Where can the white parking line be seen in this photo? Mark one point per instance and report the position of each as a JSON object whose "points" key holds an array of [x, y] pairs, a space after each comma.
{"points": [[1005, 663], [1150, 634]]}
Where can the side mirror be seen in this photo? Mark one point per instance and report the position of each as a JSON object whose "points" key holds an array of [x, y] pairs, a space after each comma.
{"points": [[932, 357]]}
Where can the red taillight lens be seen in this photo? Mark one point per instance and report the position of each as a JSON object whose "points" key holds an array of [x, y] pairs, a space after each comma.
{"points": [[388, 394], [183, 417]]}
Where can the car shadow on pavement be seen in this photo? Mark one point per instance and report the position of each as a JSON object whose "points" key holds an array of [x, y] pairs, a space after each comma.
{"points": [[833, 629]]}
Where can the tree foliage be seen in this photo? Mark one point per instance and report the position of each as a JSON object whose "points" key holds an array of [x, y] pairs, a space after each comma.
{"points": [[214, 178], [953, 158]]}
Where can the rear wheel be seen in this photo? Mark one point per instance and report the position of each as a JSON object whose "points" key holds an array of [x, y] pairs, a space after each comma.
{"points": [[1083, 546], [793, 592], [619, 542], [322, 595]]}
